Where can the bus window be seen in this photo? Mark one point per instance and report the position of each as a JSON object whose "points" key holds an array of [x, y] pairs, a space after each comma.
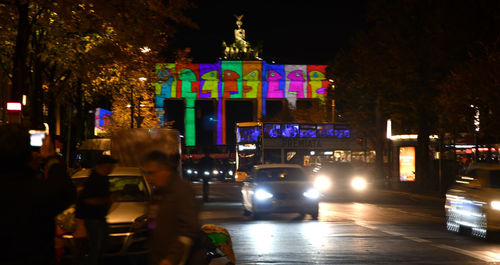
{"points": [[272, 130], [290, 130], [325, 130], [307, 131], [248, 134]]}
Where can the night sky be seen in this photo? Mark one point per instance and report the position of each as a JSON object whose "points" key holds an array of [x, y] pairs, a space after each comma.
{"points": [[291, 32]]}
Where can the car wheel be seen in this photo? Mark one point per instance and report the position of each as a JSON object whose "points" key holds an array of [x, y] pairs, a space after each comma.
{"points": [[246, 212], [257, 216], [451, 225], [314, 215], [482, 229]]}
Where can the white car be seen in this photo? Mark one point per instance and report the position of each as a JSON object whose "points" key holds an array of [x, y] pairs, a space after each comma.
{"points": [[127, 219], [279, 188], [474, 202]]}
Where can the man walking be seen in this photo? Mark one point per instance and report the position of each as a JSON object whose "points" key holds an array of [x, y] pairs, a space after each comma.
{"points": [[175, 215], [93, 205], [206, 168]]}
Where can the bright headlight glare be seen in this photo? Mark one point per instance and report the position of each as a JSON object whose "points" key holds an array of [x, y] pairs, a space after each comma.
{"points": [[322, 183], [358, 183], [206, 173], [263, 195], [495, 205], [189, 171], [230, 172], [215, 172], [312, 194]]}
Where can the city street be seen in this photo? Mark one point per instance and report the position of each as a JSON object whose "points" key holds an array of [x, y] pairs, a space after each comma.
{"points": [[383, 228]]}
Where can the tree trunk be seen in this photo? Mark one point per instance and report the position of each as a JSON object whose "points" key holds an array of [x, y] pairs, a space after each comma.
{"points": [[20, 71], [423, 175], [379, 142], [36, 96]]}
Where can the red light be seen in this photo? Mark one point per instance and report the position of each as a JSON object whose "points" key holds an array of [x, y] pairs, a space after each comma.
{"points": [[468, 151], [15, 106]]}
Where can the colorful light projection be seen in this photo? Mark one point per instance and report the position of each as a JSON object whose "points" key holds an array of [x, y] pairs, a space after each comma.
{"points": [[236, 80]]}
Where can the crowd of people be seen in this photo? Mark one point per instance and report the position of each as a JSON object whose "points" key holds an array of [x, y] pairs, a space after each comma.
{"points": [[36, 188]]}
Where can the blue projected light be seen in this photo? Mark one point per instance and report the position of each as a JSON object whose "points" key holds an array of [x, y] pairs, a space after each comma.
{"points": [[290, 130], [307, 131], [272, 130], [248, 134], [342, 132], [325, 130]]}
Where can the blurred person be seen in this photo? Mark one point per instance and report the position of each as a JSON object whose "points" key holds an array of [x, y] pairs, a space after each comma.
{"points": [[174, 214], [206, 164], [30, 199], [93, 205]]}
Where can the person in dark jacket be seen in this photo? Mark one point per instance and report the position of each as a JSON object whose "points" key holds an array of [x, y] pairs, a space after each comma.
{"points": [[206, 164], [93, 205], [174, 215], [28, 201]]}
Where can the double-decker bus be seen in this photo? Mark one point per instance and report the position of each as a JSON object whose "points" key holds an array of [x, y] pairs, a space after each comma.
{"points": [[305, 144]]}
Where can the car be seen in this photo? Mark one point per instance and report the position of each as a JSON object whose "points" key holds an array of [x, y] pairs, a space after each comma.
{"points": [[473, 203], [341, 178], [279, 188], [127, 217]]}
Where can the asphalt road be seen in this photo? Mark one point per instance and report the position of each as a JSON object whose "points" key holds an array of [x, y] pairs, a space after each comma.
{"points": [[380, 227]]}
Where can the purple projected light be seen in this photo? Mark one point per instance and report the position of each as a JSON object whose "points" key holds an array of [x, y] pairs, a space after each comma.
{"points": [[290, 130]]}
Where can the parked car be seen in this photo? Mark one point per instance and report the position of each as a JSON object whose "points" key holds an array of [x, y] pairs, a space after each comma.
{"points": [[127, 219], [473, 203], [279, 188]]}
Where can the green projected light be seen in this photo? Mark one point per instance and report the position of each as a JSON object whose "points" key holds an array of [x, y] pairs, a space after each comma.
{"points": [[236, 80]]}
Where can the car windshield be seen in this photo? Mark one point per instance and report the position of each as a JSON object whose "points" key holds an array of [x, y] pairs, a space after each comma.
{"points": [[123, 188], [281, 174], [495, 178]]}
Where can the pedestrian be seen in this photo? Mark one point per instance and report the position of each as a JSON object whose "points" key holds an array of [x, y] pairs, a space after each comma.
{"points": [[93, 205], [29, 201], [174, 214], [206, 165]]}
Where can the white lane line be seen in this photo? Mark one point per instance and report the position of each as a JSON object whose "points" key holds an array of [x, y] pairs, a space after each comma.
{"points": [[486, 256], [474, 254], [417, 239]]}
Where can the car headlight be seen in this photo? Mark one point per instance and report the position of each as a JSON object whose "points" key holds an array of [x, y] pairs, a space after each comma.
{"points": [[215, 172], [189, 171], [261, 194], [495, 205], [358, 183], [312, 194], [140, 222], [322, 183], [206, 173], [230, 172]]}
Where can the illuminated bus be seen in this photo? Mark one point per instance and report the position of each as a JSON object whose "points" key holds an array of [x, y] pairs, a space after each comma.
{"points": [[305, 144]]}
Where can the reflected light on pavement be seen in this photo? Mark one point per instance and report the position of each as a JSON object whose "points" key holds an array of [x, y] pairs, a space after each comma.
{"points": [[316, 234], [262, 237]]}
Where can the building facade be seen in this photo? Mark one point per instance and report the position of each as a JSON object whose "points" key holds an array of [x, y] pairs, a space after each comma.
{"points": [[257, 81]]}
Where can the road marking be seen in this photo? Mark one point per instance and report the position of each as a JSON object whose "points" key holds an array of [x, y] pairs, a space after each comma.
{"points": [[486, 256], [474, 254]]}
